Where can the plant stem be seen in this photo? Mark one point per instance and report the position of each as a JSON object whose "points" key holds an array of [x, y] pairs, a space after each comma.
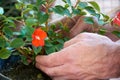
{"points": [[47, 7], [76, 3], [20, 50]]}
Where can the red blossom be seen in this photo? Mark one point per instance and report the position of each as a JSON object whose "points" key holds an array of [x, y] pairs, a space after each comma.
{"points": [[116, 19], [38, 37], [118, 15]]}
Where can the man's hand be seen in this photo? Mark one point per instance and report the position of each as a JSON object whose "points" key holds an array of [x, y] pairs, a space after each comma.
{"points": [[88, 56]]}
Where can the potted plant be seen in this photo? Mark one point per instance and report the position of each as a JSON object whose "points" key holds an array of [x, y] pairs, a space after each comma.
{"points": [[31, 34]]}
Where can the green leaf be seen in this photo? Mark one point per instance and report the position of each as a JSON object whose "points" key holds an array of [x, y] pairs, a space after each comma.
{"points": [[60, 41], [37, 49], [90, 10], [95, 5], [27, 32], [40, 2], [102, 31], [24, 60], [101, 22], [9, 21], [59, 47], [30, 22], [16, 43], [2, 42], [83, 4], [106, 17], [4, 53], [76, 11], [49, 50], [89, 20], [7, 31], [97, 16], [61, 10], [19, 5], [117, 33], [68, 1], [1, 11], [42, 17], [48, 43]]}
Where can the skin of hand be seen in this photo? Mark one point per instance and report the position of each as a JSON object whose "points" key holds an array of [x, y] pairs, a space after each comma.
{"points": [[88, 56]]}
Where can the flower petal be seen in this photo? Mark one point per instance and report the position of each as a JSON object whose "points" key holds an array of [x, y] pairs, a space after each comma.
{"points": [[38, 37], [118, 15], [41, 43], [39, 32], [35, 42], [43, 35], [116, 21]]}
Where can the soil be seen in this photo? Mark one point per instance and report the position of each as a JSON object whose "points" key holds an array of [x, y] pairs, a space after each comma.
{"points": [[24, 72]]}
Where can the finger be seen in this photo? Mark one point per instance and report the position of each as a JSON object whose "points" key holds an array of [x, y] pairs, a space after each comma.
{"points": [[74, 40], [80, 26], [62, 70], [84, 76], [54, 59]]}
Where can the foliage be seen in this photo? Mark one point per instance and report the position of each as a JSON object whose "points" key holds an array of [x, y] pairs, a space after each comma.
{"points": [[13, 40]]}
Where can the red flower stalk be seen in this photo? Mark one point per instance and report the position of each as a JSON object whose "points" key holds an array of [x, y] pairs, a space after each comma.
{"points": [[116, 19], [38, 37]]}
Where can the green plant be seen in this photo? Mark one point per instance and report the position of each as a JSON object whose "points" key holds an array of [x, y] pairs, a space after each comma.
{"points": [[19, 42]]}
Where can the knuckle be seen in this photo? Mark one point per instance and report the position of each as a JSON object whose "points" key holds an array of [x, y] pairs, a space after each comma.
{"points": [[50, 72], [66, 44], [47, 72]]}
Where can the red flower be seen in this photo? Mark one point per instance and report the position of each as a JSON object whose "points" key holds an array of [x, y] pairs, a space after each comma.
{"points": [[116, 19], [38, 37], [118, 15]]}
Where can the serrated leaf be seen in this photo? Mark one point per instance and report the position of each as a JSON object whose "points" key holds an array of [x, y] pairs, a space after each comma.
{"points": [[2, 42], [89, 20], [60, 41], [16, 43], [48, 44], [59, 47], [7, 31], [49, 50], [76, 11], [4, 53], [90, 10], [1, 11], [37, 49], [42, 17], [30, 22], [61, 10], [95, 5], [28, 31], [83, 4]]}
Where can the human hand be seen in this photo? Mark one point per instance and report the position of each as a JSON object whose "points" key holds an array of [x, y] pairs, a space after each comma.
{"points": [[88, 56]]}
